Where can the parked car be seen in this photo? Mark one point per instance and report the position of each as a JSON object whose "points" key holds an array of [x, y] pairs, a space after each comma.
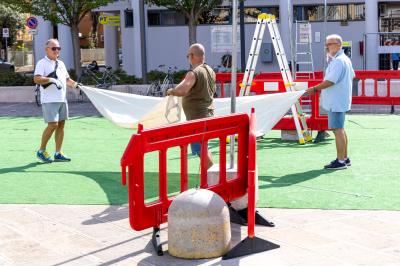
{"points": [[6, 66]]}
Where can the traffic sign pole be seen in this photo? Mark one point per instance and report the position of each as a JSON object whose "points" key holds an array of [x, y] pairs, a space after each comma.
{"points": [[6, 55]]}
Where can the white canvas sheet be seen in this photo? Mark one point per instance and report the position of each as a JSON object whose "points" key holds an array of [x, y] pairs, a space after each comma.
{"points": [[126, 110]]}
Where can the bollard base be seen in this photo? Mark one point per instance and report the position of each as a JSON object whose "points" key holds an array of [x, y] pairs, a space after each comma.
{"points": [[250, 246]]}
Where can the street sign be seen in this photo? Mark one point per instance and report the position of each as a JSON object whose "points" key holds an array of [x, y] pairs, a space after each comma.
{"points": [[305, 32], [112, 20], [32, 22], [6, 33], [32, 32]]}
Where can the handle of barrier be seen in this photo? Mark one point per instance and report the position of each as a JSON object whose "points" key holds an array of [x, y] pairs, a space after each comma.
{"points": [[123, 175]]}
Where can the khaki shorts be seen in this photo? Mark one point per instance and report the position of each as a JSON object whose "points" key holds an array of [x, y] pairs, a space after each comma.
{"points": [[55, 112]]}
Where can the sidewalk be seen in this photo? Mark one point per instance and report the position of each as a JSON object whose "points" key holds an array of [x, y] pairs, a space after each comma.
{"points": [[101, 235]]}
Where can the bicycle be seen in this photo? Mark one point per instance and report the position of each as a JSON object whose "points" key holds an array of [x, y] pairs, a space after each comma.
{"points": [[102, 79], [159, 89]]}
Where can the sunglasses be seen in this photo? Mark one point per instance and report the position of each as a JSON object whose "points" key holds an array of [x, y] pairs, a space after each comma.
{"points": [[329, 44], [55, 48]]}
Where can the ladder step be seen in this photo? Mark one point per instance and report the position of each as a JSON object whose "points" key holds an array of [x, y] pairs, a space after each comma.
{"points": [[303, 53], [304, 62]]}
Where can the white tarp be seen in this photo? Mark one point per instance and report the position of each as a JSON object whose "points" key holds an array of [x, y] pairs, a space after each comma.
{"points": [[126, 110]]}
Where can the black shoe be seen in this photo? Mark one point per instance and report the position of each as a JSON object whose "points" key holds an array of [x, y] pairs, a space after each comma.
{"points": [[347, 161], [336, 165]]}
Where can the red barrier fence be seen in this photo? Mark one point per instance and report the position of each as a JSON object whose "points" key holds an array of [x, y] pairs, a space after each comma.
{"points": [[142, 215], [370, 87]]}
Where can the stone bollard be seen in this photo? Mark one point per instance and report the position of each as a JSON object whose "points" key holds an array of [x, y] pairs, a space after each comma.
{"points": [[213, 177], [198, 225]]}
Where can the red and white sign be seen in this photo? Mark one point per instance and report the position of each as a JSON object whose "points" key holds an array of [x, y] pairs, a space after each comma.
{"points": [[32, 22]]}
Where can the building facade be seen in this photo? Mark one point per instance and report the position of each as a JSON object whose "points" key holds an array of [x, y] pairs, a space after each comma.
{"points": [[166, 36]]}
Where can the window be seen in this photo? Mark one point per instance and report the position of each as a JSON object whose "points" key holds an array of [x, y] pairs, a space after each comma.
{"points": [[251, 13], [219, 15], [357, 12], [334, 12], [165, 18], [128, 18]]}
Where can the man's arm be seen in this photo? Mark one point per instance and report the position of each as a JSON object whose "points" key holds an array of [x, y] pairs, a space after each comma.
{"points": [[42, 80], [323, 85], [183, 88]]}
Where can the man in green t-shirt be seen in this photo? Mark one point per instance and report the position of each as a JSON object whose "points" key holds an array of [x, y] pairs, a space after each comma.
{"points": [[197, 90]]}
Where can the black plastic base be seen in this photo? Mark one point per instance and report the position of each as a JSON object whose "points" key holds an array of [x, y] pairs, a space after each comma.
{"points": [[240, 217], [250, 246], [156, 241]]}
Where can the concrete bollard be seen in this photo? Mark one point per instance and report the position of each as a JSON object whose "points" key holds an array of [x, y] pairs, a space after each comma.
{"points": [[213, 177], [198, 225]]}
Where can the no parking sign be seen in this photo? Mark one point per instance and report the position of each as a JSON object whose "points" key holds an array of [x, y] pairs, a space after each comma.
{"points": [[32, 22]]}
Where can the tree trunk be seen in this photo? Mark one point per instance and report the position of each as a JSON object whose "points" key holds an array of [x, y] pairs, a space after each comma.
{"points": [[76, 49], [192, 24]]}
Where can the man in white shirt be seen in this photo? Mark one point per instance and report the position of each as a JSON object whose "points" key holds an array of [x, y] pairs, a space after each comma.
{"points": [[336, 96], [53, 77]]}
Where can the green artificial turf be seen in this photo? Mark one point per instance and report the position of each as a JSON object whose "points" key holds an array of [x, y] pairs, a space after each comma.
{"points": [[290, 175]]}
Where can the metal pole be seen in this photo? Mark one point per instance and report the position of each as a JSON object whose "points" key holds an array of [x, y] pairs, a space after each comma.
{"points": [[233, 77], [323, 47], [143, 42], [364, 53], [242, 38], [6, 55], [292, 52]]}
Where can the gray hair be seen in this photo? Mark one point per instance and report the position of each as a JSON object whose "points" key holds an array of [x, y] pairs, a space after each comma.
{"points": [[335, 37], [51, 40]]}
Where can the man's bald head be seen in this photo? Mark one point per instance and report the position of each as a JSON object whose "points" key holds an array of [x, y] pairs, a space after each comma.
{"points": [[197, 49]]}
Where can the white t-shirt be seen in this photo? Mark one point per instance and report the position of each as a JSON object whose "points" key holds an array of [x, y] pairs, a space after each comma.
{"points": [[51, 94]]}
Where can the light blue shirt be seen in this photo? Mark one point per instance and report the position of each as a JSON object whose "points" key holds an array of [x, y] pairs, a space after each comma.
{"points": [[337, 98]]}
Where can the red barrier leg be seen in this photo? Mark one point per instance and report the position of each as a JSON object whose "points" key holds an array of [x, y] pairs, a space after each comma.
{"points": [[251, 244]]}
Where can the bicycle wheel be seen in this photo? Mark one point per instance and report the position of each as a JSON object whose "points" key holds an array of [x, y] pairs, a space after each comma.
{"points": [[37, 96], [153, 89]]}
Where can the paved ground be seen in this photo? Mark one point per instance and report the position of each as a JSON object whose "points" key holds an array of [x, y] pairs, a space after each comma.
{"points": [[101, 235]]}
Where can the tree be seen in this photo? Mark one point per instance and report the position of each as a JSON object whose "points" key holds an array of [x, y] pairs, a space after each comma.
{"points": [[12, 20], [191, 9], [66, 12]]}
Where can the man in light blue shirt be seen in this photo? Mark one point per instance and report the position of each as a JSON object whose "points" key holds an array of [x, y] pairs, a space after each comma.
{"points": [[336, 94]]}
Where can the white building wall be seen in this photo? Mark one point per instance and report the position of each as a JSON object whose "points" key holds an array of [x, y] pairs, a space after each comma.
{"points": [[168, 44], [65, 40], [44, 32]]}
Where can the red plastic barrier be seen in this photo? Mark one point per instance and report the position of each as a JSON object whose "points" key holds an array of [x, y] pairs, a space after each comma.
{"points": [[375, 98], [315, 121], [141, 215]]}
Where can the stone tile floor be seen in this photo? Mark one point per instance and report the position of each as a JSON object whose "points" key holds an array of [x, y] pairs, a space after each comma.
{"points": [[101, 235]]}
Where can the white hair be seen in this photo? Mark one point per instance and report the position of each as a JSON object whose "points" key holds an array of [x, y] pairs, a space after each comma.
{"points": [[335, 37]]}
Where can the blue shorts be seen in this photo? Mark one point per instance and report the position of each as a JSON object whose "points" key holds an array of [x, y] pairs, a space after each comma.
{"points": [[336, 119], [55, 112], [196, 148]]}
